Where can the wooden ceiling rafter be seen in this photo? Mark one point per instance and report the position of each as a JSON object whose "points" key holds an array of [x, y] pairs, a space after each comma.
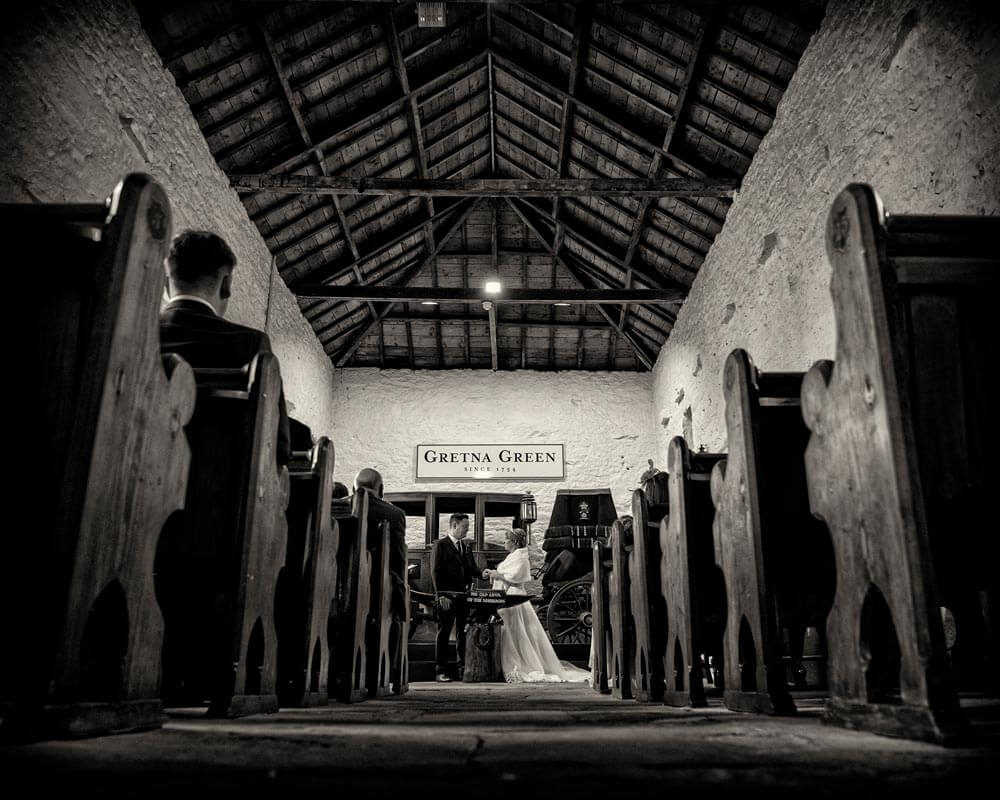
{"points": [[349, 351], [293, 109], [640, 353], [698, 54], [575, 92]]}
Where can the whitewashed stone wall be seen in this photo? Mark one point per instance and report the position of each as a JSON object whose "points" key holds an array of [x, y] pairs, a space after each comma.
{"points": [[604, 419], [902, 95], [86, 100]]}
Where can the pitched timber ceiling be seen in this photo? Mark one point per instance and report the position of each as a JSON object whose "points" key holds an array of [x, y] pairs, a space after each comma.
{"points": [[583, 154]]}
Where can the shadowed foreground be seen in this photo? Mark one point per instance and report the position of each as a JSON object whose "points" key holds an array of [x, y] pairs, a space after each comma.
{"points": [[493, 740]]}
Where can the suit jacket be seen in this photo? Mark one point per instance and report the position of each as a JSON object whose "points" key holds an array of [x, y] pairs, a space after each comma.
{"points": [[378, 511], [204, 339], [452, 571]]}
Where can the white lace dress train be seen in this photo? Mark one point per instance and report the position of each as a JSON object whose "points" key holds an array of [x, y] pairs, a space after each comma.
{"points": [[526, 653]]}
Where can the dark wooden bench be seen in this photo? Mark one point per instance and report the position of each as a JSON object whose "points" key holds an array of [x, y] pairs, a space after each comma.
{"points": [[218, 561], [387, 635], [649, 614], [902, 463], [101, 463], [309, 579], [776, 557], [620, 612], [600, 634], [691, 582], [349, 645]]}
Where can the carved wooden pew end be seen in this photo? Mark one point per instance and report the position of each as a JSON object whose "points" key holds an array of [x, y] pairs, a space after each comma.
{"points": [[100, 418], [902, 459], [689, 580]]}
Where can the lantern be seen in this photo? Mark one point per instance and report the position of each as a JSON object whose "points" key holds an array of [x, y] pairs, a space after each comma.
{"points": [[529, 512]]}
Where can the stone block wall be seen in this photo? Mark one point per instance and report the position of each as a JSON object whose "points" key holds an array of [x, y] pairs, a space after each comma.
{"points": [[901, 94], [85, 101]]}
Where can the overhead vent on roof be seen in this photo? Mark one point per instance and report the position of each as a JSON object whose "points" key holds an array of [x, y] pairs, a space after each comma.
{"points": [[431, 15]]}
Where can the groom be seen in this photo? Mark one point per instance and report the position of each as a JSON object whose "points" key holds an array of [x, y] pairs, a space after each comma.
{"points": [[452, 570]]}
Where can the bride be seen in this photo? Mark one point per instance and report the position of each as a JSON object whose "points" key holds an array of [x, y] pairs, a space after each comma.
{"points": [[526, 654]]}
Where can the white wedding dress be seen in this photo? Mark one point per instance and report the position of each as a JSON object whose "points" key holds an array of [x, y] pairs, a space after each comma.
{"points": [[526, 655]]}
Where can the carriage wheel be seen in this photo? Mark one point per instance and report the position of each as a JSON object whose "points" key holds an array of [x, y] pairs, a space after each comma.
{"points": [[569, 618]]}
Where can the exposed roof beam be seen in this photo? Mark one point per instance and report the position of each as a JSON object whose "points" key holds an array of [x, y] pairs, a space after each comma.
{"points": [[639, 351], [697, 56], [439, 294], [492, 309], [462, 319], [527, 77], [293, 109], [344, 357], [485, 187]]}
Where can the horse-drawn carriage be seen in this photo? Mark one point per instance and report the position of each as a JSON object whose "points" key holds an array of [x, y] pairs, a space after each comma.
{"points": [[579, 518]]}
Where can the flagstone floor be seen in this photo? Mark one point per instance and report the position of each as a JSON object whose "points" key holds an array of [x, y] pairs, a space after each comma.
{"points": [[495, 740]]}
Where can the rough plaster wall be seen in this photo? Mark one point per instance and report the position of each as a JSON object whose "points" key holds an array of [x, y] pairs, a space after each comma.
{"points": [[902, 95], [602, 418], [85, 101]]}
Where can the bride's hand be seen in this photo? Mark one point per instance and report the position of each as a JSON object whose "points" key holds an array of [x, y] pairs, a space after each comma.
{"points": [[486, 573]]}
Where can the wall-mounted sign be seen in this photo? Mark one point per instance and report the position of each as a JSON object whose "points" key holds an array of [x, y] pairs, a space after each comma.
{"points": [[497, 462]]}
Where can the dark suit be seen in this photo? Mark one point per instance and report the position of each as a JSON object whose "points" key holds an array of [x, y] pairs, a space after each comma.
{"points": [[204, 339], [380, 510], [452, 570]]}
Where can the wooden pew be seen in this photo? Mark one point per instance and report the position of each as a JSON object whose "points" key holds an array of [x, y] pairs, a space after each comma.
{"points": [[600, 634], [387, 634], [691, 583], [649, 614], [309, 580], [217, 562], [102, 462], [775, 555], [902, 462], [349, 670], [620, 612]]}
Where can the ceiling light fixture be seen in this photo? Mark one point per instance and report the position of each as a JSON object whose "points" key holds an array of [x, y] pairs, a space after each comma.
{"points": [[492, 287], [428, 302], [562, 305], [431, 15]]}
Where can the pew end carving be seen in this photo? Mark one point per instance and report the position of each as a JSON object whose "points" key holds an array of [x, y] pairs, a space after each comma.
{"points": [[902, 462], [100, 421], [600, 641], [775, 555], [354, 569], [218, 561], [620, 611], [691, 583], [311, 579], [646, 602]]}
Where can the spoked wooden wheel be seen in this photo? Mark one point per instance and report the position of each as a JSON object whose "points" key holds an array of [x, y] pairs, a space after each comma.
{"points": [[569, 619]]}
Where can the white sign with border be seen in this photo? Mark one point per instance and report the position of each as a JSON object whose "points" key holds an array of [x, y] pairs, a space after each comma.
{"points": [[495, 462]]}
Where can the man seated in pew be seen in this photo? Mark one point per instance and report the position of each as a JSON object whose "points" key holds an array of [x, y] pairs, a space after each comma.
{"points": [[370, 480], [199, 284], [339, 492]]}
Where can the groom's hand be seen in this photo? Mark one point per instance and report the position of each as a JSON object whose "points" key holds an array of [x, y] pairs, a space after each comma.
{"points": [[444, 603]]}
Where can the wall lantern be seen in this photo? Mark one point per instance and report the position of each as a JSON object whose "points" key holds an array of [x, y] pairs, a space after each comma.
{"points": [[529, 512]]}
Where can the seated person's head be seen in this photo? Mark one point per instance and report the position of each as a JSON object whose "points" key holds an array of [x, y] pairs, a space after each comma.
{"points": [[200, 263], [370, 479], [458, 525], [517, 538], [339, 490]]}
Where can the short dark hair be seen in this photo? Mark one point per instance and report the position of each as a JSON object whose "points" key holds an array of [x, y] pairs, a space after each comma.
{"points": [[339, 490], [456, 518], [197, 255]]}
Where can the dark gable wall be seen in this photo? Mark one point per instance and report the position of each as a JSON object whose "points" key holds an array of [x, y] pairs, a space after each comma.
{"points": [[902, 95], [84, 101]]}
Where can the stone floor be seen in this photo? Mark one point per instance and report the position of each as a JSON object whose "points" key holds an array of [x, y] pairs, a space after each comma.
{"points": [[495, 740]]}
